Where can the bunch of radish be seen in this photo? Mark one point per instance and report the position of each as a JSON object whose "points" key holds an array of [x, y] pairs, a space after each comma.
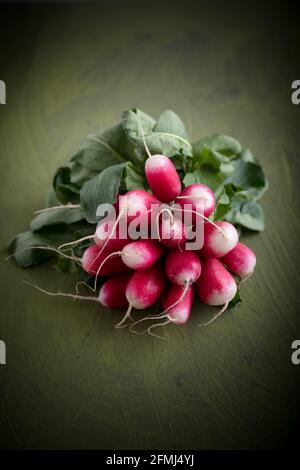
{"points": [[140, 273]]}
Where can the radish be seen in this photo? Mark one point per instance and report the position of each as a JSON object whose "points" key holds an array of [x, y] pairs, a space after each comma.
{"points": [[172, 232], [93, 258], [161, 175], [111, 295], [219, 239], [140, 254], [162, 178], [216, 285], [178, 312], [107, 235], [183, 267], [200, 197], [112, 292], [136, 203], [144, 289], [241, 261]]}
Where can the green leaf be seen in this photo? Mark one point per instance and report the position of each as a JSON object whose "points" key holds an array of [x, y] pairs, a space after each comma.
{"points": [[224, 195], [101, 149], [206, 176], [211, 158], [24, 253], [171, 123], [223, 206], [102, 188], [247, 213], [130, 122], [51, 199], [65, 190], [134, 179], [80, 173], [158, 142], [221, 143], [236, 299], [66, 265], [247, 156], [248, 175], [56, 216]]}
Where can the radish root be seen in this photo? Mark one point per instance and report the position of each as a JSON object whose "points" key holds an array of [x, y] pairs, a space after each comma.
{"points": [[216, 316], [157, 325], [66, 206], [144, 140], [112, 231], [246, 278], [49, 248], [181, 297], [164, 209], [62, 294], [149, 317], [76, 242], [127, 315], [115, 253], [203, 216]]}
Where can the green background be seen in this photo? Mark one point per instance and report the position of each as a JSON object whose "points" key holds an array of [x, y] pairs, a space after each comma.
{"points": [[71, 379]]}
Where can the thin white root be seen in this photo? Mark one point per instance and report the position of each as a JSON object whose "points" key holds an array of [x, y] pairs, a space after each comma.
{"points": [[216, 316], [75, 258], [144, 140], [157, 325], [246, 278], [82, 283], [112, 231], [148, 317], [66, 206], [49, 248], [183, 294], [115, 253], [164, 209], [76, 242], [62, 294], [127, 315], [203, 217]]}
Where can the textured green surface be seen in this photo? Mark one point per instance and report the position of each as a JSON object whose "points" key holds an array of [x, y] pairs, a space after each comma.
{"points": [[71, 379]]}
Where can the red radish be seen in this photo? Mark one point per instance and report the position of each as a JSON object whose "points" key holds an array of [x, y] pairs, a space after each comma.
{"points": [[161, 175], [172, 232], [93, 258], [241, 260], [137, 255], [111, 295], [107, 235], [200, 197], [219, 239], [112, 292], [140, 254], [178, 312], [215, 286], [162, 178], [135, 203], [183, 267], [144, 289], [177, 309]]}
